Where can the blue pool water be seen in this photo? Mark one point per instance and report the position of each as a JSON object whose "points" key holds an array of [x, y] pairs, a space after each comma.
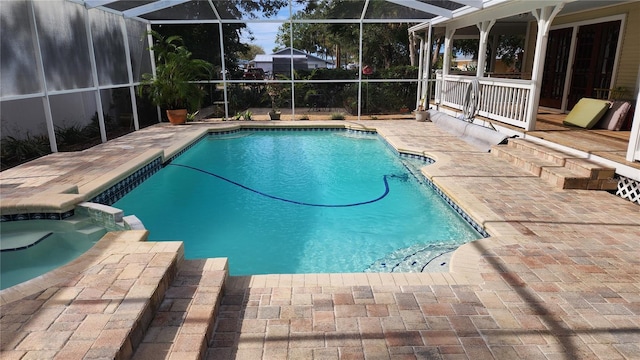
{"points": [[31, 248], [293, 202]]}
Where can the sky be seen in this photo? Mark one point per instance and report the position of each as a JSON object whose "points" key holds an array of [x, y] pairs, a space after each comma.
{"points": [[265, 33]]}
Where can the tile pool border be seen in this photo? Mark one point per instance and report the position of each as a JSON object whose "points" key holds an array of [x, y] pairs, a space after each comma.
{"points": [[428, 160], [123, 187], [216, 132], [37, 216]]}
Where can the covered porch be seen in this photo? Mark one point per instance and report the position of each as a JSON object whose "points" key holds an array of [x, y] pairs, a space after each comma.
{"points": [[606, 144], [513, 103]]}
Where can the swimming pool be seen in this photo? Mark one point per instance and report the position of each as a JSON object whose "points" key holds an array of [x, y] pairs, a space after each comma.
{"points": [[31, 248], [293, 202]]}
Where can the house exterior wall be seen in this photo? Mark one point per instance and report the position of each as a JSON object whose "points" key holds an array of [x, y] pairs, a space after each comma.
{"points": [[316, 64], [627, 69], [300, 57], [627, 72], [266, 66]]}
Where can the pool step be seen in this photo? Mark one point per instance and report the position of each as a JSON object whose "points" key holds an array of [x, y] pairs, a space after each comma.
{"points": [[416, 258], [92, 231], [561, 169], [24, 234], [16, 240], [79, 221], [183, 326]]}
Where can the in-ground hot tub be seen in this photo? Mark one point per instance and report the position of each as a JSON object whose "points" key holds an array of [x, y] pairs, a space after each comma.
{"points": [[30, 248]]}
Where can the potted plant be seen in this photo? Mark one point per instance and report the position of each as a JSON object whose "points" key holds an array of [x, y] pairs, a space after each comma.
{"points": [[172, 88], [420, 112], [276, 92]]}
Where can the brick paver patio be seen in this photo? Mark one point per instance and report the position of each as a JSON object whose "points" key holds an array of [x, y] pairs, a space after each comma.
{"points": [[558, 279]]}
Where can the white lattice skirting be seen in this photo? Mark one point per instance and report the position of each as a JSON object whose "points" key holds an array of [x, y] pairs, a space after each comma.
{"points": [[629, 189]]}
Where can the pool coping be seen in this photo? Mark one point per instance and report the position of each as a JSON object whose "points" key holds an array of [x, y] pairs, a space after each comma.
{"points": [[70, 196]]}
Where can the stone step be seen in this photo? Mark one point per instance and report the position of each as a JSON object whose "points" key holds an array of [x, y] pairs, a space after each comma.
{"points": [[523, 159], [561, 169], [144, 297], [111, 292], [566, 178], [586, 167], [183, 326], [540, 151], [589, 168]]}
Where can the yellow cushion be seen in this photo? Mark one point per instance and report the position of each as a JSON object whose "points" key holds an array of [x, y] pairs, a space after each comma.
{"points": [[586, 113]]}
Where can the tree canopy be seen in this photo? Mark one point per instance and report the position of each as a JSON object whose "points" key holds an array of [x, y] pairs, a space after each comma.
{"points": [[204, 39], [509, 47], [384, 44], [251, 53]]}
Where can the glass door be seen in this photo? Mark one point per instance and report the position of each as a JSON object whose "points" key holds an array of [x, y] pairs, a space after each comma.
{"points": [[555, 67], [596, 47]]}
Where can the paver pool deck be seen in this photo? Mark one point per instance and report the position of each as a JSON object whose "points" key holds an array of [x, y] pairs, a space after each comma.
{"points": [[559, 278]]}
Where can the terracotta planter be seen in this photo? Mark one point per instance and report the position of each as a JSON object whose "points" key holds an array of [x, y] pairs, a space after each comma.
{"points": [[177, 117]]}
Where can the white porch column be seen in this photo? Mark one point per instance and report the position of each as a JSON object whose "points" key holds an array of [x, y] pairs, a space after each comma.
{"points": [[544, 17], [412, 50], [485, 28], [448, 44], [633, 150], [420, 69], [426, 70]]}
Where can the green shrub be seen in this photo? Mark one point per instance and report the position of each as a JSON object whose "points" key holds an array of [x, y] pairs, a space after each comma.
{"points": [[71, 135], [241, 97], [93, 129], [245, 115], [14, 151], [377, 98]]}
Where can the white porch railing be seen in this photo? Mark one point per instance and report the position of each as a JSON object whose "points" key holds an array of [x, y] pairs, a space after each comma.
{"points": [[505, 100]]}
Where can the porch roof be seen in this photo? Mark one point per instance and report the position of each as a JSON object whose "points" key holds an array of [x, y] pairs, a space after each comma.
{"points": [[509, 14]]}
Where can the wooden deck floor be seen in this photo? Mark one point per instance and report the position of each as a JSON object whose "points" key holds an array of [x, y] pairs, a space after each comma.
{"points": [[610, 145]]}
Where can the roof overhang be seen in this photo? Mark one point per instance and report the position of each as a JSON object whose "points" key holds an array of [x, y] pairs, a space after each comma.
{"points": [[510, 11], [169, 11]]}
